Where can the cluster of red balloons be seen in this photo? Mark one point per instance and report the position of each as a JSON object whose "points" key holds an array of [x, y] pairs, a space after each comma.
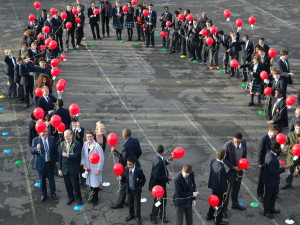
{"points": [[158, 191], [47, 41], [74, 109], [243, 163], [94, 158], [61, 127], [112, 139], [55, 120], [118, 169], [40, 37], [178, 153], [280, 138]]}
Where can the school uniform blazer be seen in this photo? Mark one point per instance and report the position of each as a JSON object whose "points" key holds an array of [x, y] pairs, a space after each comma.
{"points": [[184, 189], [138, 14], [71, 19], [130, 15], [279, 84], [266, 47], [109, 9], [78, 136], [272, 170], [194, 35], [93, 20], [248, 51], [10, 69], [256, 75], [117, 19], [32, 132], [280, 116], [217, 177], [17, 76], [159, 173], [46, 106], [72, 163], [264, 145], [226, 42], [139, 179], [65, 116], [25, 69], [284, 71], [47, 23], [58, 25], [267, 63], [167, 16], [151, 18], [230, 159]]}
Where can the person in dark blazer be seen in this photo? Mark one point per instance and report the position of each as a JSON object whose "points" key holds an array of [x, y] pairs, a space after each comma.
{"points": [[150, 23], [176, 25], [159, 176], [58, 27], [139, 25], [284, 67], [129, 21], [27, 72], [235, 150], [118, 19], [47, 101], [218, 183], [166, 16], [247, 54], [70, 32], [185, 195], [78, 131], [294, 119], [69, 166], [106, 15], [17, 80], [277, 111], [271, 180], [63, 113], [224, 39], [235, 48], [278, 81], [50, 23], [36, 27], [203, 20], [262, 43], [135, 180], [10, 62], [94, 20], [264, 145], [32, 133], [265, 60], [43, 17], [193, 40], [45, 154], [79, 26]]}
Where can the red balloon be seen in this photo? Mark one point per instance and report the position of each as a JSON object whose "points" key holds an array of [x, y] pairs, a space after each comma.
{"points": [[63, 82], [54, 71], [264, 75], [46, 29], [54, 62], [64, 15], [94, 158], [168, 23], [39, 92], [68, 25], [252, 20], [47, 42], [209, 41], [213, 200], [125, 8], [290, 100], [226, 13], [243, 163], [60, 86], [96, 11], [134, 2], [139, 20], [37, 5], [145, 12], [55, 120], [143, 26], [178, 153], [296, 150], [62, 57], [31, 17], [213, 30], [163, 33], [74, 109], [39, 113], [234, 63], [112, 139], [118, 169], [53, 45], [239, 22], [61, 128], [204, 32], [40, 37], [280, 138], [77, 20], [75, 11], [42, 48], [53, 11], [158, 191], [268, 91], [181, 17], [272, 52], [40, 126], [190, 17]]}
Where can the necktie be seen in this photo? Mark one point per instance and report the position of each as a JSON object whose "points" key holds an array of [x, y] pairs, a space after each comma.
{"points": [[130, 171], [272, 139], [68, 148], [47, 99], [287, 66], [47, 156]]}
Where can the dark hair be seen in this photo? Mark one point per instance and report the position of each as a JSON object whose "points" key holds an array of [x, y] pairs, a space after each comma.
{"points": [[188, 11], [42, 59], [50, 35], [176, 12], [44, 10], [280, 91], [18, 59], [275, 146], [60, 103], [187, 168], [32, 116], [261, 49], [127, 132], [151, 4], [90, 132], [275, 127], [179, 9], [131, 159], [221, 32], [297, 124], [24, 43], [74, 119], [284, 52], [262, 39], [140, 5], [221, 153], [166, 7], [238, 136], [160, 149], [246, 36], [209, 21], [48, 117]]}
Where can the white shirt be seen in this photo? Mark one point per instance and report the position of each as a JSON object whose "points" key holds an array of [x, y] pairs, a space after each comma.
{"points": [[247, 42], [278, 100], [255, 68], [221, 161], [132, 170]]}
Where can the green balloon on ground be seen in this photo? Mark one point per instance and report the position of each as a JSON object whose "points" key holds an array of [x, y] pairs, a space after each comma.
{"points": [[92, 44], [195, 61], [121, 41], [220, 71], [157, 35], [254, 204], [136, 43], [75, 51], [244, 85], [18, 162], [163, 49], [261, 112]]}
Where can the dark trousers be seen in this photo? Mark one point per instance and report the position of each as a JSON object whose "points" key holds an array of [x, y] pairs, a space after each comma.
{"points": [[234, 180], [225, 60], [235, 70], [166, 40], [12, 88], [211, 210], [134, 203], [95, 191], [20, 91], [28, 90], [97, 30], [122, 195], [72, 186], [47, 172], [179, 43], [79, 35], [290, 175], [105, 24], [149, 35], [140, 32], [183, 41], [69, 33], [245, 70], [60, 40], [195, 50], [260, 185], [175, 41], [270, 197], [206, 52], [161, 208], [188, 212]]}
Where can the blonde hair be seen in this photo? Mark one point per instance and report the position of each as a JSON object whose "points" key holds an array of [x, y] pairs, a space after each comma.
{"points": [[6, 51], [99, 124]]}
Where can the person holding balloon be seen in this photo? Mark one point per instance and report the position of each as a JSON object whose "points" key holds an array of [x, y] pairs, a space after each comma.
{"points": [[17, 79], [194, 41], [69, 26], [106, 15], [235, 48], [224, 39], [248, 52], [139, 22], [165, 17], [262, 43], [150, 23], [44, 80], [236, 149], [278, 81], [92, 159], [79, 26], [47, 102], [63, 113], [176, 25], [129, 21], [118, 19], [58, 27]]}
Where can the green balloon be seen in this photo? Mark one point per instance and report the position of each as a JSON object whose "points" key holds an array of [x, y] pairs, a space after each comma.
{"points": [[254, 204], [18, 162]]}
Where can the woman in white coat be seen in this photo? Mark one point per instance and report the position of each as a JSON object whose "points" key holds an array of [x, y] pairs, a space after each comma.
{"points": [[94, 178]]}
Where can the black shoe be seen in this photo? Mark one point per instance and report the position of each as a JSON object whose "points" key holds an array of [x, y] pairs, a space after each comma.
{"points": [[286, 186], [103, 36], [259, 104], [232, 75], [99, 38], [193, 59], [21, 101], [244, 80], [95, 202], [210, 217], [114, 206], [269, 215], [225, 215], [139, 220], [275, 211], [43, 198], [165, 220], [260, 198], [54, 197], [147, 46], [171, 52], [250, 104], [153, 220], [108, 36], [79, 202], [94, 38], [239, 207], [128, 218], [221, 223], [69, 202], [27, 105], [128, 39]]}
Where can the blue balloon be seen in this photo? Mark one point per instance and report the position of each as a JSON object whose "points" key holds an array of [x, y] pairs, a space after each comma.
{"points": [[1, 109], [241, 203], [5, 133], [77, 207], [37, 184], [7, 151]]}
